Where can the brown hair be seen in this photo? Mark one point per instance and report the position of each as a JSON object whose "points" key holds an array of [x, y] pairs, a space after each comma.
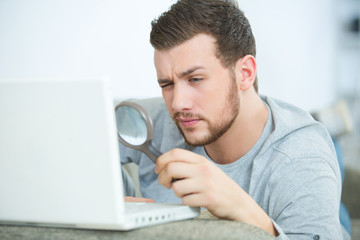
{"points": [[222, 19]]}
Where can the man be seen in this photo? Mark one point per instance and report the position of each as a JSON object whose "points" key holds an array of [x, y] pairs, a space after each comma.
{"points": [[242, 156]]}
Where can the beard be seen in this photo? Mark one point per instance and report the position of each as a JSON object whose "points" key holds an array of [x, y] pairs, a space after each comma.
{"points": [[226, 118]]}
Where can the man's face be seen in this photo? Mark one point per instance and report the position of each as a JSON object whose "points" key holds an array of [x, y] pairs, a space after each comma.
{"points": [[200, 93]]}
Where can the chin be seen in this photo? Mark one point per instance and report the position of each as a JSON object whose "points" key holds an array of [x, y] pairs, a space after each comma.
{"points": [[195, 137], [199, 141], [194, 144]]}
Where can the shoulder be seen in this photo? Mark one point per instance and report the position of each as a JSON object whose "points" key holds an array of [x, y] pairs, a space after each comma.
{"points": [[297, 135], [298, 148]]}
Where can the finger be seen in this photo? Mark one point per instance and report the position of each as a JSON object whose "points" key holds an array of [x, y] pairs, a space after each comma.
{"points": [[187, 186], [137, 199], [195, 200], [176, 170], [175, 155]]}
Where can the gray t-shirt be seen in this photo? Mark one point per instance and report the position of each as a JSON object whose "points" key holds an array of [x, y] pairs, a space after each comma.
{"points": [[291, 172]]}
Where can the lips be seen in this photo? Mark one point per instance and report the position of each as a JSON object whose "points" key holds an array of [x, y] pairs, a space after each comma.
{"points": [[187, 123]]}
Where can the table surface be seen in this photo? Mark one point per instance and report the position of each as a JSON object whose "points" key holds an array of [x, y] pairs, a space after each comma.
{"points": [[203, 227]]}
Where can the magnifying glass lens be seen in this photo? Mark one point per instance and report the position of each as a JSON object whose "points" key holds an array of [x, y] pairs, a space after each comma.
{"points": [[131, 126]]}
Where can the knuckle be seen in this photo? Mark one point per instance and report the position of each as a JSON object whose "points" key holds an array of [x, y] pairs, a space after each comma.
{"points": [[179, 190], [186, 201], [170, 168], [205, 170], [160, 179], [176, 189], [210, 197], [190, 200], [159, 160], [160, 163], [175, 152]]}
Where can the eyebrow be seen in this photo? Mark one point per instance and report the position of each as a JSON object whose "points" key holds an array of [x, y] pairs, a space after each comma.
{"points": [[183, 74], [190, 71]]}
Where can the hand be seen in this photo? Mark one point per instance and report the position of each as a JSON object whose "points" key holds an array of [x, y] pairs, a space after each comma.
{"points": [[202, 184], [137, 199]]}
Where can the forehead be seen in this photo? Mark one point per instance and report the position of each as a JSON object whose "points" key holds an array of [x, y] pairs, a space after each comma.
{"points": [[199, 50]]}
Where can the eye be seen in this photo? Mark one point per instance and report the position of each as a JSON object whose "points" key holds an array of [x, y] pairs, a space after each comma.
{"points": [[195, 79], [166, 85]]}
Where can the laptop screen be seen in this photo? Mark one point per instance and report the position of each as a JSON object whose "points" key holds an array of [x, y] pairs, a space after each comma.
{"points": [[59, 158]]}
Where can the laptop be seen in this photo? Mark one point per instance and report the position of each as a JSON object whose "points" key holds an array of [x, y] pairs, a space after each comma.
{"points": [[59, 159]]}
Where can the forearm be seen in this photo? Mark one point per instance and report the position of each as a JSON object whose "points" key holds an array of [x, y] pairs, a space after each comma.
{"points": [[246, 210], [251, 213]]}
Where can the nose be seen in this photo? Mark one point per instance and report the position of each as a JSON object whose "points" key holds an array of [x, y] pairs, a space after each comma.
{"points": [[181, 98]]}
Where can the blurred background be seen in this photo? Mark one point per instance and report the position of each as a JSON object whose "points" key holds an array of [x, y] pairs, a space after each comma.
{"points": [[308, 54]]}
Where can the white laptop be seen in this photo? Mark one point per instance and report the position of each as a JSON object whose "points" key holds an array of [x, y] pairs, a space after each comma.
{"points": [[59, 159]]}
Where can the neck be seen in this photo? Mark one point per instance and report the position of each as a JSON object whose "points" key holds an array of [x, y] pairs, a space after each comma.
{"points": [[244, 132]]}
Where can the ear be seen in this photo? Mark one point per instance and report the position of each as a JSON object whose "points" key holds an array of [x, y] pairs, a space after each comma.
{"points": [[245, 69]]}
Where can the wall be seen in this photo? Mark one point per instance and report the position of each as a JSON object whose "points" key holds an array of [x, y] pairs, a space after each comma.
{"points": [[295, 42]]}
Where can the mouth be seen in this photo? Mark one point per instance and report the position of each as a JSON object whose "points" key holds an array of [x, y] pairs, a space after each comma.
{"points": [[187, 123]]}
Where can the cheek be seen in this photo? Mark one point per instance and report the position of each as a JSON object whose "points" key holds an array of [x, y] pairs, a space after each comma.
{"points": [[216, 99], [168, 100], [215, 93]]}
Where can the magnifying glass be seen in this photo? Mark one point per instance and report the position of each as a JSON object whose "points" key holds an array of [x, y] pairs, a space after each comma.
{"points": [[135, 128]]}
